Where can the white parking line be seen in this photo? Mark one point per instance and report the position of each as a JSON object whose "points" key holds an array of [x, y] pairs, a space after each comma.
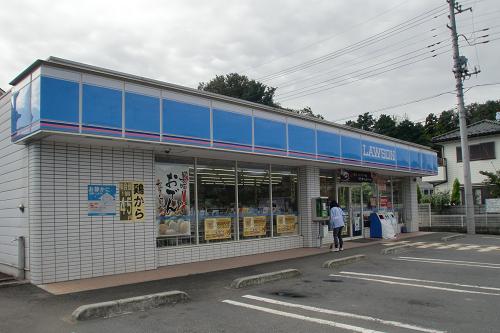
{"points": [[455, 261], [343, 314], [446, 263], [305, 318], [420, 280], [417, 285]]}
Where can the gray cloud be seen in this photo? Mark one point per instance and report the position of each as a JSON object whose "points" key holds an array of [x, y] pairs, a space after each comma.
{"points": [[186, 42]]}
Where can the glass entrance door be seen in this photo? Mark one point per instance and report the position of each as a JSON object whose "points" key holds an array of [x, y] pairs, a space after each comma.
{"points": [[350, 200]]}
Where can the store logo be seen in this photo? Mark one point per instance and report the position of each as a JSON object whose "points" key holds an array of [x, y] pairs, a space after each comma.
{"points": [[377, 152]]}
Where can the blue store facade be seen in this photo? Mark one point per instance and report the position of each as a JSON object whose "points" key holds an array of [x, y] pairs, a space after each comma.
{"points": [[118, 173]]}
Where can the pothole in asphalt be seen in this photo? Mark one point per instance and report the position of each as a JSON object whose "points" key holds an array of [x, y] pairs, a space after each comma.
{"points": [[422, 303], [333, 280], [288, 294]]}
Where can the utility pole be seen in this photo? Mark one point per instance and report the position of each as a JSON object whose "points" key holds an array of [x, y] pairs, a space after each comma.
{"points": [[461, 72]]}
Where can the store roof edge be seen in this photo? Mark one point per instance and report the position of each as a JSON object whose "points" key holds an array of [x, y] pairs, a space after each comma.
{"points": [[90, 69]]}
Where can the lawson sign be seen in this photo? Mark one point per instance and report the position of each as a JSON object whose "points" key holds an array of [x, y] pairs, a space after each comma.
{"points": [[378, 153]]}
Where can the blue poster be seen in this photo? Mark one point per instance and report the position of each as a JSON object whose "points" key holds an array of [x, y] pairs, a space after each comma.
{"points": [[101, 199]]}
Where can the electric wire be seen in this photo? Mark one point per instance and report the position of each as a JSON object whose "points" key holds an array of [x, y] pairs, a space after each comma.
{"points": [[416, 21]]}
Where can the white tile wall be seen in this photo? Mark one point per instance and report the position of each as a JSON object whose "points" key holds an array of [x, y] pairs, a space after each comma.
{"points": [[308, 189], [67, 243], [410, 203], [187, 254], [13, 192]]}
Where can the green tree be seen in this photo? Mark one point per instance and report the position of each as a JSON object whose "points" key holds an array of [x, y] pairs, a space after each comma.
{"points": [[365, 121], [476, 112], [455, 193], [240, 86], [493, 182], [385, 125]]}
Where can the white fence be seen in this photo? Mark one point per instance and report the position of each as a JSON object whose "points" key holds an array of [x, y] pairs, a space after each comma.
{"points": [[429, 218]]}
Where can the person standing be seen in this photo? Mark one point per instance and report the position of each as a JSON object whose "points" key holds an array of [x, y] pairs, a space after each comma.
{"points": [[337, 224]]}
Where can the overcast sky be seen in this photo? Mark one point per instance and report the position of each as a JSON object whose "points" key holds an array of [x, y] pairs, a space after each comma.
{"points": [[185, 42]]}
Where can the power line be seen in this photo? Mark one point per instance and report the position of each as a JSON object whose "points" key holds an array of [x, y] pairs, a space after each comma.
{"points": [[325, 39], [422, 99], [325, 87], [363, 43], [426, 49]]}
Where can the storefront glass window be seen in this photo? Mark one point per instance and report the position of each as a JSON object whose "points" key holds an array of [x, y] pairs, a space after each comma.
{"points": [[284, 200], [175, 201], [327, 184], [216, 200], [253, 200]]}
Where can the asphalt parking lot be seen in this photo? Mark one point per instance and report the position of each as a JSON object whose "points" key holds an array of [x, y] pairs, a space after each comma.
{"points": [[433, 286]]}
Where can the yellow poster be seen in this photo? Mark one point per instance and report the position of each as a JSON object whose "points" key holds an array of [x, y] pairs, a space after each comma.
{"points": [[218, 228], [254, 226], [285, 224], [131, 201]]}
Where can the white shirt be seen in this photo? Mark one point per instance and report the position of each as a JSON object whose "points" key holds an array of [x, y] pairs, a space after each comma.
{"points": [[336, 217]]}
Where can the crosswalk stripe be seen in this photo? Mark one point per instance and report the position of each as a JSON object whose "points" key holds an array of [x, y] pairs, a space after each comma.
{"points": [[451, 246], [488, 249], [468, 247], [428, 245]]}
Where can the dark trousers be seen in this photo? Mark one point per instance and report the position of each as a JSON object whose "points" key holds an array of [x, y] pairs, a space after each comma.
{"points": [[337, 237]]}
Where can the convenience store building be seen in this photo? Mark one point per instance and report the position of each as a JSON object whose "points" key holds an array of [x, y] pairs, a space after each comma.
{"points": [[105, 173]]}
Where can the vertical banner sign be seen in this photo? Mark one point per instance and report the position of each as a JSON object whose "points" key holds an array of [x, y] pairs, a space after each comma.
{"points": [[138, 211], [132, 201], [125, 189], [101, 200], [172, 200]]}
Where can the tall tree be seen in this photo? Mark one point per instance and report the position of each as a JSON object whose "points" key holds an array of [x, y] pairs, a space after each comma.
{"points": [[455, 193], [385, 125], [240, 86], [476, 112], [365, 121]]}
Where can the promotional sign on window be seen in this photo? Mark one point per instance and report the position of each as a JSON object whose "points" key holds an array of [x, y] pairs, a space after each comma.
{"points": [[218, 228], [131, 201], [172, 199], [101, 200], [285, 223], [254, 226]]}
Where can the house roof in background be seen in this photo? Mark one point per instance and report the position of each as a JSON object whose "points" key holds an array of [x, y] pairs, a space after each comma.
{"points": [[480, 128]]}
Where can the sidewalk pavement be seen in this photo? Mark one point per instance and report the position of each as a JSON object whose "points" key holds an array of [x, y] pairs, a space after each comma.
{"points": [[68, 287]]}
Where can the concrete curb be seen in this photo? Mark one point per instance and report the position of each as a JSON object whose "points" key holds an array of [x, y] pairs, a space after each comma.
{"points": [[13, 283], [128, 305], [254, 280], [395, 249], [343, 261], [452, 237]]}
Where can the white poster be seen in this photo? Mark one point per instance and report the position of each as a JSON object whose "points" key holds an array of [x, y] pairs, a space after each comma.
{"points": [[172, 199]]}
